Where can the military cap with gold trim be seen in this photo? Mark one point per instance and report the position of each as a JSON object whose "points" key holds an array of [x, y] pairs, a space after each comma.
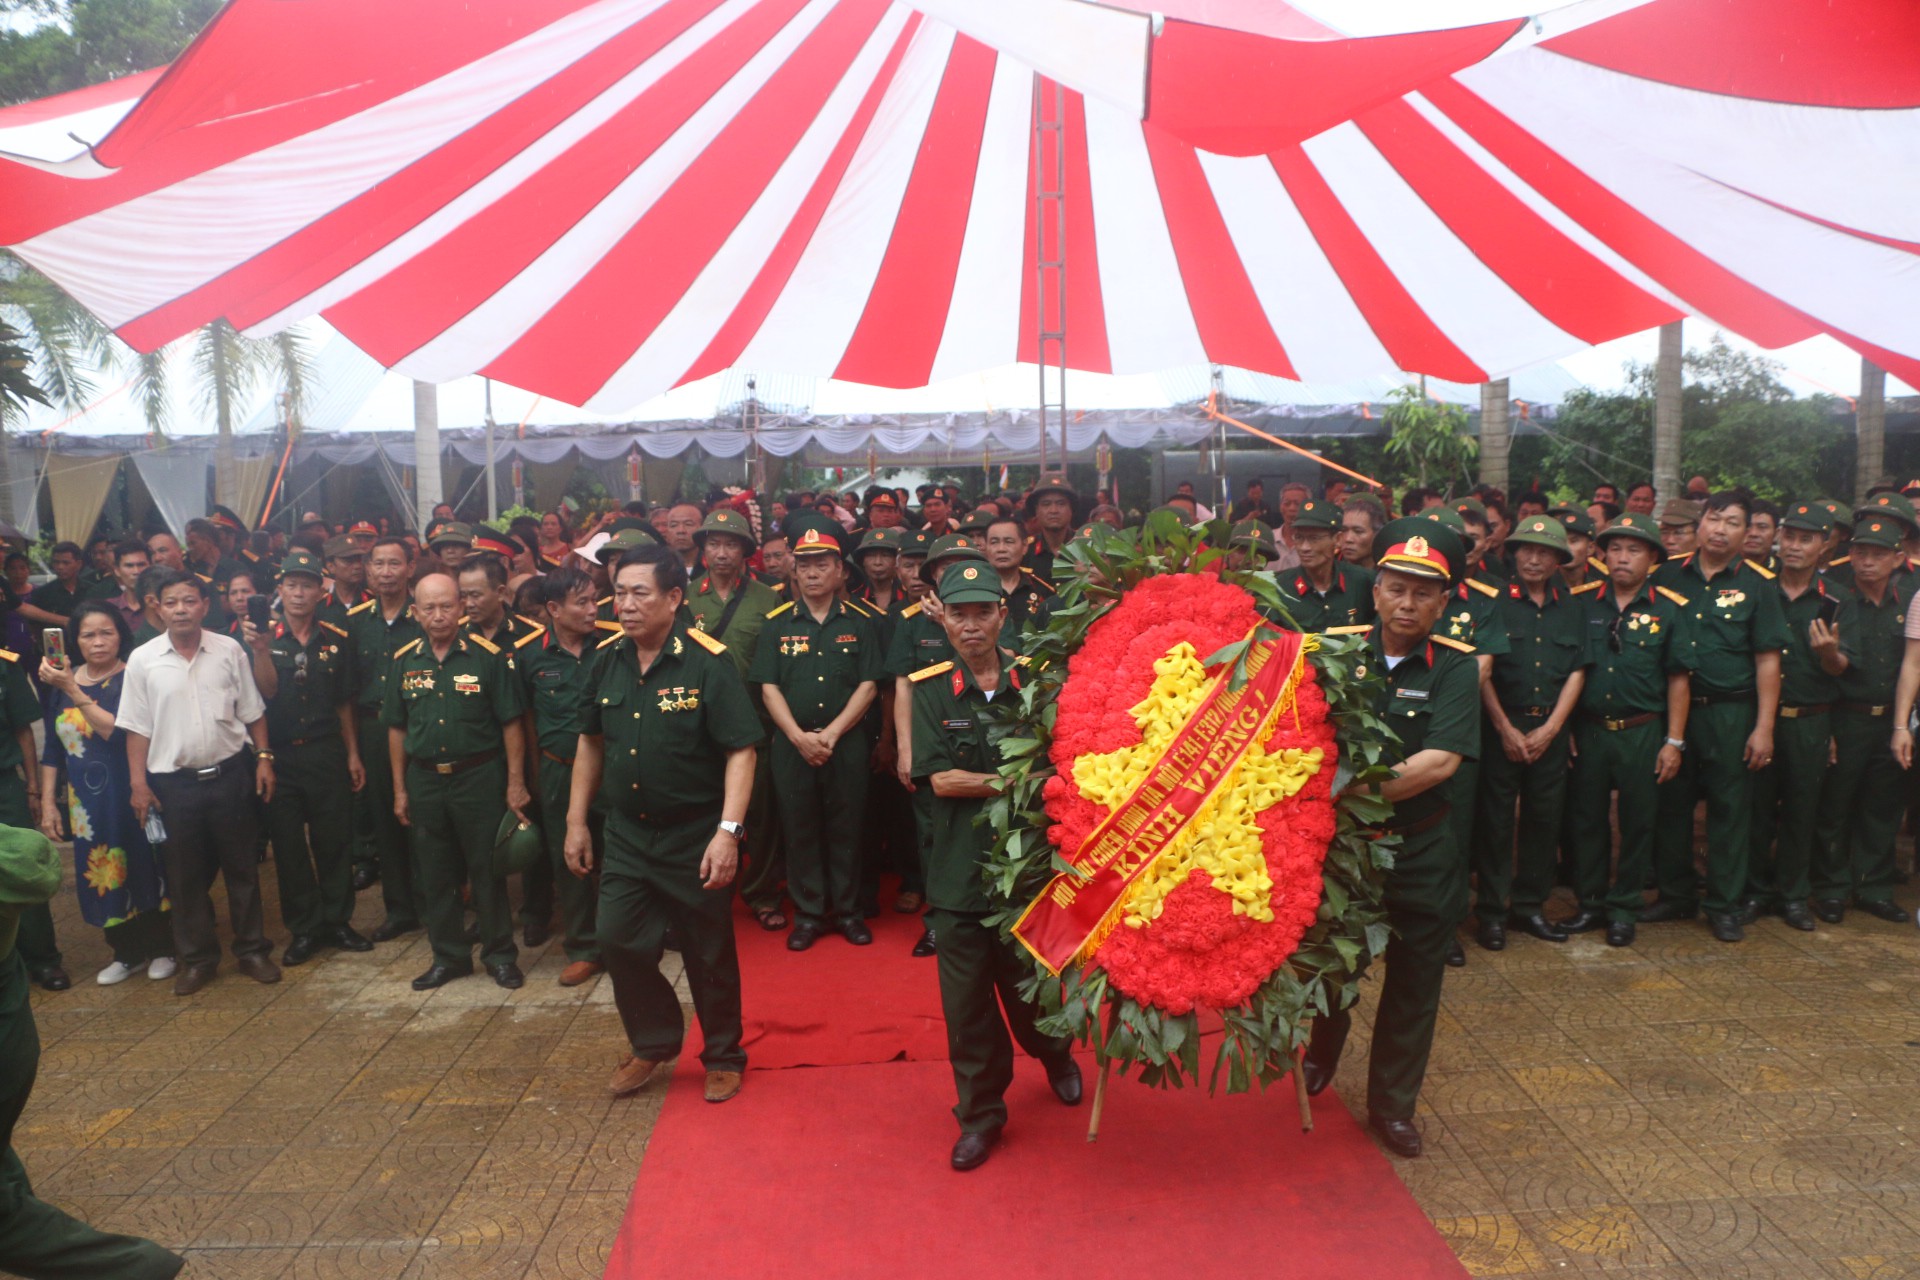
{"points": [[452, 533], [488, 543], [363, 529], [815, 542], [226, 519], [1420, 547]]}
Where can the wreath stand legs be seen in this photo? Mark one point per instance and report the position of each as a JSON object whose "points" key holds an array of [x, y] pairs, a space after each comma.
{"points": [[1106, 1069], [1300, 1089]]}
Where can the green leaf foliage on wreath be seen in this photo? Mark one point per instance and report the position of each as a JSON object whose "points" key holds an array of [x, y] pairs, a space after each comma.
{"points": [[1263, 1035]]}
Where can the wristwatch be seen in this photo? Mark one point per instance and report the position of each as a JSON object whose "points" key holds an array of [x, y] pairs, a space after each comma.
{"points": [[738, 830], [1678, 744]]}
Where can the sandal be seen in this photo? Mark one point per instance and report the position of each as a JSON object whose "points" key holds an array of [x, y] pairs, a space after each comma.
{"points": [[772, 919]]}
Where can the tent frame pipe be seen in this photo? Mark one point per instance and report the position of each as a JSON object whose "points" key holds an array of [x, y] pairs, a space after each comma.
{"points": [[1213, 412]]}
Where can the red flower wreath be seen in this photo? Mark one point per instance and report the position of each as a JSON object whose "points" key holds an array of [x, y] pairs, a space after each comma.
{"points": [[1198, 952]]}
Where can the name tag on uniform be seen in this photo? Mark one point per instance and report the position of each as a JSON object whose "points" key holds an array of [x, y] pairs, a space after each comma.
{"points": [[1418, 695], [956, 724], [846, 639], [466, 684]]}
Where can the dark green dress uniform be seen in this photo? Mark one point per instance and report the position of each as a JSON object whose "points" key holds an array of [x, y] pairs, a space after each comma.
{"points": [[1472, 617], [1864, 794], [517, 634], [1730, 619], [918, 641], [817, 664], [1786, 794], [375, 639], [20, 709], [310, 818], [558, 687], [1347, 601], [1617, 735], [1028, 601], [338, 603], [1547, 644], [763, 880], [452, 712], [1432, 701], [980, 971], [665, 735], [37, 1239]]}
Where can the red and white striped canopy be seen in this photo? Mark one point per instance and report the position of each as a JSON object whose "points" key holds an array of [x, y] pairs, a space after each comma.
{"points": [[601, 199]]}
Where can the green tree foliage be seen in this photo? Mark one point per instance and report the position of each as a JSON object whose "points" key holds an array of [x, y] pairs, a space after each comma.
{"points": [[17, 386], [83, 42], [1429, 441]]}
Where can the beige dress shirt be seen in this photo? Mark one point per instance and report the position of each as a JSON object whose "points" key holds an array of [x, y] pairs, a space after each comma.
{"points": [[194, 714]]}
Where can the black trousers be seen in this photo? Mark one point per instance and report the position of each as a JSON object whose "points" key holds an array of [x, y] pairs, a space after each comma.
{"points": [[213, 828]]}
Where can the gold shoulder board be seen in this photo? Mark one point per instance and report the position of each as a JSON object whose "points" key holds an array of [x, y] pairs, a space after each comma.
{"points": [[334, 627], [927, 673], [707, 642], [362, 607], [1761, 569], [782, 609], [528, 639], [9, 655], [1039, 582], [604, 625], [1360, 630], [1585, 587], [484, 643], [1835, 564], [1672, 595], [911, 611], [612, 639], [537, 626], [1482, 587], [408, 647], [1451, 643]]}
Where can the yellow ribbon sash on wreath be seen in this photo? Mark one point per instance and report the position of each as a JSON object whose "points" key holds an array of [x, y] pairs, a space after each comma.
{"points": [[1076, 912]]}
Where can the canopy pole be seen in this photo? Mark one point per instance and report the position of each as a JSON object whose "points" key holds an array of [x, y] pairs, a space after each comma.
{"points": [[1215, 415], [1050, 256], [493, 488]]}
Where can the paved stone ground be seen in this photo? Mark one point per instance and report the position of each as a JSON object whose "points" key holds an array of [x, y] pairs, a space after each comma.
{"points": [[1681, 1109]]}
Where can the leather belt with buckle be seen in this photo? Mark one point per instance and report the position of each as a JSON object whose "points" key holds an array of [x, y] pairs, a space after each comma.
{"points": [[1629, 722], [1538, 713], [1805, 709], [448, 768], [565, 760], [1866, 708], [318, 737], [1714, 699]]}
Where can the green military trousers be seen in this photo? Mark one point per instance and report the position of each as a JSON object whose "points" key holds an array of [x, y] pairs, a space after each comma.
{"points": [[1608, 761], [455, 820], [1860, 805], [1508, 880], [980, 975], [650, 883], [390, 839], [37, 1240], [1713, 768], [310, 821], [37, 945], [821, 812], [763, 882], [1786, 810], [1426, 901], [576, 893]]}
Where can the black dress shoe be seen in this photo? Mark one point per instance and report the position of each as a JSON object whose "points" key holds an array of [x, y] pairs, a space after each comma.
{"points": [[855, 930], [804, 935], [388, 930], [972, 1150], [1663, 911], [1750, 912], [1318, 1076], [300, 950], [1540, 927], [1620, 933], [1398, 1136], [536, 935], [1490, 934], [1066, 1082], [924, 947], [345, 937], [1456, 955], [1583, 922], [1832, 910], [52, 977], [438, 976], [365, 876], [673, 941], [1726, 926], [1883, 911], [1797, 916], [507, 975]]}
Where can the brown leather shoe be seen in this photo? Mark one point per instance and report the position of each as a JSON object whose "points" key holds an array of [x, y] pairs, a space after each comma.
{"points": [[722, 1085], [259, 968], [579, 971], [192, 977], [631, 1075]]}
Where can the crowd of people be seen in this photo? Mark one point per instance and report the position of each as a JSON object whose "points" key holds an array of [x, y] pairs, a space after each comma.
{"points": [[637, 718]]}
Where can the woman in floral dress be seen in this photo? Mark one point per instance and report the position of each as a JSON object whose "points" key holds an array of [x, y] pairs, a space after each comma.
{"points": [[116, 872]]}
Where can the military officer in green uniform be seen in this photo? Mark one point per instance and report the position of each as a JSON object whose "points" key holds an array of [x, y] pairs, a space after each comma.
{"points": [[378, 628], [1004, 543], [1585, 569], [878, 558], [557, 673], [20, 802], [451, 544], [1631, 726], [666, 747], [1250, 546], [1735, 631], [956, 760], [1786, 794], [818, 667], [1431, 698], [731, 605], [1529, 701], [1054, 508], [1324, 591], [1863, 797], [458, 752], [37, 1239], [488, 605], [346, 565], [304, 667]]}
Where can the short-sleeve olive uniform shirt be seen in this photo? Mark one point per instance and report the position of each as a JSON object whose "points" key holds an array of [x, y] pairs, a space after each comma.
{"points": [[1633, 651], [953, 728], [1347, 601], [1730, 618], [557, 688], [1803, 681], [315, 678], [742, 632], [1546, 644]]}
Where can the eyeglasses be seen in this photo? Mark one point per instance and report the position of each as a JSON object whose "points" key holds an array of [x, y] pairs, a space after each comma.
{"points": [[299, 668]]}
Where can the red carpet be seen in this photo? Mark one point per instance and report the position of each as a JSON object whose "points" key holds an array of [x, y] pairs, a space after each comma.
{"points": [[841, 1170]]}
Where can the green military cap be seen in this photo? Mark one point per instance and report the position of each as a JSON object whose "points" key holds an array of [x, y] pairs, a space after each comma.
{"points": [[1813, 517], [1420, 546], [888, 540], [1087, 532], [620, 524], [340, 547], [816, 542], [451, 533], [517, 846], [1257, 534], [1471, 509], [301, 560], [966, 583], [29, 867], [1574, 519], [975, 525], [1317, 513], [1632, 524], [1892, 505], [725, 520], [1443, 515], [1838, 512], [1052, 484], [916, 542], [1877, 529], [1543, 531], [1681, 511], [625, 541], [954, 546]]}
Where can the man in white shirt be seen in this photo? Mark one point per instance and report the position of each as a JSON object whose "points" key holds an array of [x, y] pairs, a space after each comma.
{"points": [[189, 711]]}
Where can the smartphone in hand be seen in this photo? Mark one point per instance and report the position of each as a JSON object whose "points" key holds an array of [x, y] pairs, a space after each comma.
{"points": [[259, 612], [53, 641]]}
